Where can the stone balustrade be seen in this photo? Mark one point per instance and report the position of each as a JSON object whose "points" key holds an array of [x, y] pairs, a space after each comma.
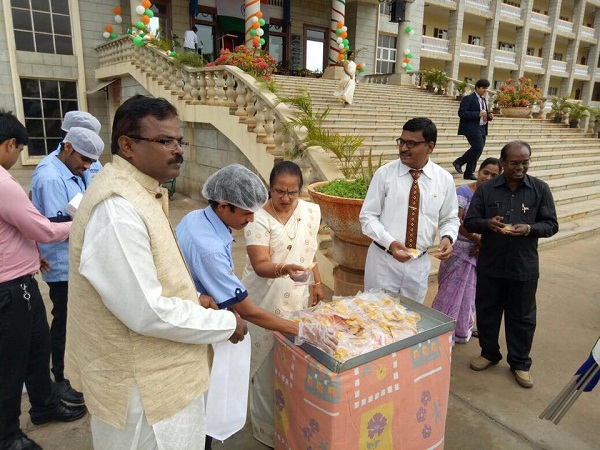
{"points": [[220, 86]]}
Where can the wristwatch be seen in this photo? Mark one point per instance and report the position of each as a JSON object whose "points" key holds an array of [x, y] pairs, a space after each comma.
{"points": [[449, 238]]}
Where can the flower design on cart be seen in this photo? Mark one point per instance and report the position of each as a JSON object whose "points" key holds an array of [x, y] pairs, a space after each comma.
{"points": [[425, 397], [426, 431], [422, 416], [376, 425]]}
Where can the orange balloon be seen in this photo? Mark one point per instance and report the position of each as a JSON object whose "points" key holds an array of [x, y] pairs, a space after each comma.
{"points": [[340, 24], [150, 35], [344, 35], [145, 20], [117, 10], [147, 4], [406, 60], [256, 25], [359, 67], [259, 14], [109, 28], [340, 57], [256, 38]]}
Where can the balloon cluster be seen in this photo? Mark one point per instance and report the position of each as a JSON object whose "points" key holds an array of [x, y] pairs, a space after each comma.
{"points": [[109, 32], [407, 53], [256, 31], [342, 40], [360, 67]]}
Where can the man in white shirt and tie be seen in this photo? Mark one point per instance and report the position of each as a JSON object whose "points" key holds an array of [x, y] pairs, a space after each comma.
{"points": [[474, 117], [407, 201]]}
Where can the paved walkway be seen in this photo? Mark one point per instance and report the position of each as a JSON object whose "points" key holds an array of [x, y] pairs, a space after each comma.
{"points": [[486, 409]]}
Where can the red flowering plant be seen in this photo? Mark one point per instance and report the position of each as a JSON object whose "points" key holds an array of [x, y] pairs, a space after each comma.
{"points": [[517, 93], [256, 62]]}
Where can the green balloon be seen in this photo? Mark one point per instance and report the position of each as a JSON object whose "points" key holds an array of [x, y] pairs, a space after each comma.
{"points": [[113, 35], [410, 55], [173, 54], [128, 30], [262, 41], [149, 13], [346, 47], [408, 29], [261, 22], [409, 67], [346, 42], [362, 69], [338, 31], [138, 40], [140, 25], [252, 31]]}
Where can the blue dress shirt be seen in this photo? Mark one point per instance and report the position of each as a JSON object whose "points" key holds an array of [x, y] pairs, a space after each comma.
{"points": [[205, 242], [53, 186]]}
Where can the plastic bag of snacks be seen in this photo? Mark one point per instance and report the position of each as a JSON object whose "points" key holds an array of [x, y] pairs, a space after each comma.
{"points": [[362, 323]]}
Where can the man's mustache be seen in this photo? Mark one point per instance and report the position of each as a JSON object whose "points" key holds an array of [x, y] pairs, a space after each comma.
{"points": [[178, 159]]}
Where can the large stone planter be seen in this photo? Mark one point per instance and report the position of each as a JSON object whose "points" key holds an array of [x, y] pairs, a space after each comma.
{"points": [[349, 244], [518, 112]]}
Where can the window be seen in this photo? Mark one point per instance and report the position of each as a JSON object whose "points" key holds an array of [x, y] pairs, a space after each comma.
{"points": [[557, 56], [530, 51], [45, 103], [160, 24], [474, 40], [42, 26], [552, 91], [440, 34], [385, 9], [386, 54], [277, 40], [206, 23], [506, 46]]}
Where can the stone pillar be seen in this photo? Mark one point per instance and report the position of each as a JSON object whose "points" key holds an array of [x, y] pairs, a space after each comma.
{"points": [[338, 14], [455, 31], [573, 47], [491, 42], [523, 36], [252, 10], [548, 47], [593, 55], [403, 42]]}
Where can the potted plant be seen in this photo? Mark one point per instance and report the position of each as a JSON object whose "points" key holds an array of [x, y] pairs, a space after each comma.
{"points": [[594, 124], [560, 108], [440, 81], [460, 88], [516, 97], [576, 113], [429, 78]]}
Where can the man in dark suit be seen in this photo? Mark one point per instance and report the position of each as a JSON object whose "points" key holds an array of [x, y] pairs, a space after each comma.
{"points": [[474, 118]]}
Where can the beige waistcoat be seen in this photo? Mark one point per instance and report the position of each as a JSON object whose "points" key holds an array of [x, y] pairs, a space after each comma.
{"points": [[103, 357]]}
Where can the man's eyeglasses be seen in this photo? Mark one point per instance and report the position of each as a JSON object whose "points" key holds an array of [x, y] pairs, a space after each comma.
{"points": [[279, 193], [168, 144], [409, 144]]}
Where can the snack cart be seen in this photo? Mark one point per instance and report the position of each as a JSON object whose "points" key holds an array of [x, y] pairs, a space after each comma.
{"points": [[395, 397]]}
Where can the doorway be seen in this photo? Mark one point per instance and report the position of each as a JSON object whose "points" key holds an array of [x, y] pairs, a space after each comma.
{"points": [[315, 46]]}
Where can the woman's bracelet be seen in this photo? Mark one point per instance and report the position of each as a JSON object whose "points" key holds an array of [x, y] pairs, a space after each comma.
{"points": [[317, 283], [279, 270]]}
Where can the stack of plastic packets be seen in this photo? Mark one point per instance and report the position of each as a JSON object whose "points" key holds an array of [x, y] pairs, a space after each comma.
{"points": [[584, 380]]}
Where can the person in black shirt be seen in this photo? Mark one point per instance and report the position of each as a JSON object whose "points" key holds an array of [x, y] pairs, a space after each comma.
{"points": [[510, 212]]}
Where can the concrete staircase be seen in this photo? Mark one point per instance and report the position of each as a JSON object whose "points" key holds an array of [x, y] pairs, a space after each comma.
{"points": [[567, 159]]}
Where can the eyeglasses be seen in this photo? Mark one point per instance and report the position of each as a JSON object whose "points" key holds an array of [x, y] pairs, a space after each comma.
{"points": [[409, 144], [168, 144], [280, 193]]}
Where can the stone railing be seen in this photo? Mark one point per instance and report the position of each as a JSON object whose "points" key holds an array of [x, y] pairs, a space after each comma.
{"points": [[390, 78], [505, 57], [436, 45], [587, 33], [482, 5], [558, 66], [510, 11], [581, 70], [472, 51], [564, 26], [221, 86], [541, 20], [533, 62]]}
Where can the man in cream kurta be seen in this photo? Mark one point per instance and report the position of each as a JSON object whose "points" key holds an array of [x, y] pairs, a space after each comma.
{"points": [[384, 215], [137, 335]]}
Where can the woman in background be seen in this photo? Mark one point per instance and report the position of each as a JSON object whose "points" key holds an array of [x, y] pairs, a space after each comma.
{"points": [[284, 232], [457, 276], [345, 90]]}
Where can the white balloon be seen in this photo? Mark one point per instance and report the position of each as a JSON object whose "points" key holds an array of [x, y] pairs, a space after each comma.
{"points": [[254, 19], [341, 45], [106, 35], [339, 40], [403, 64], [139, 9], [147, 37], [118, 19], [344, 28], [260, 31], [406, 52], [412, 32]]}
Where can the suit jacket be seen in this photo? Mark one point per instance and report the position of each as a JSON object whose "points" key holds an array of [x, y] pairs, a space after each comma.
{"points": [[469, 115]]}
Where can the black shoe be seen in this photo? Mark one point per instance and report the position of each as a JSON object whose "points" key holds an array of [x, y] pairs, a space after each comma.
{"points": [[470, 177], [68, 394], [457, 167], [22, 442], [62, 413]]}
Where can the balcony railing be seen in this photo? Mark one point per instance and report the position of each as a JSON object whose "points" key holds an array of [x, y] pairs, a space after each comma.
{"points": [[581, 70], [540, 19], [587, 33], [472, 51], [564, 26], [481, 5], [504, 57], [510, 11], [436, 45], [558, 66], [534, 62]]}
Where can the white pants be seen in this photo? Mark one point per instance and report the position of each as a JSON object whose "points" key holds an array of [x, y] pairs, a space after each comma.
{"points": [[184, 430], [409, 279]]}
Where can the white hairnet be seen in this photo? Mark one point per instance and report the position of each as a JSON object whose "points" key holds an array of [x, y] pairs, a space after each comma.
{"points": [[236, 185], [80, 119], [85, 142]]}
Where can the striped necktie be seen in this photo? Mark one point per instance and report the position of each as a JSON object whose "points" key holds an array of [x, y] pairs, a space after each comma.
{"points": [[412, 220]]}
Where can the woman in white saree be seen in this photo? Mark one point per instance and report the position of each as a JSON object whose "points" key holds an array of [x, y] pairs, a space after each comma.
{"points": [[284, 231], [345, 90]]}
